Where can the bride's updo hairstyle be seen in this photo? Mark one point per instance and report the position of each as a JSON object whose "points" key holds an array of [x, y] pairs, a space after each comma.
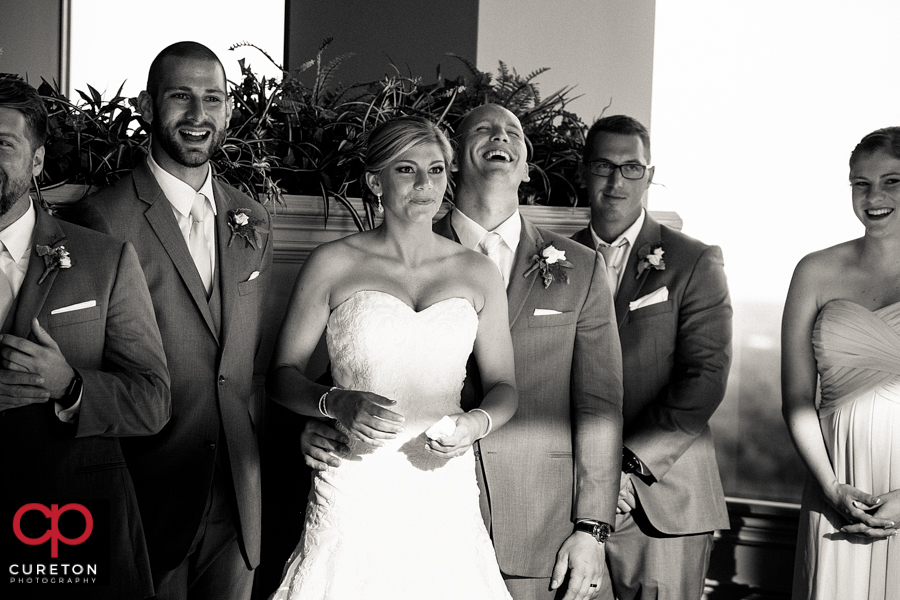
{"points": [[885, 140], [392, 138]]}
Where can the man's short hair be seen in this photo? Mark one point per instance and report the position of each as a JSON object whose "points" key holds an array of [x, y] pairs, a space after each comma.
{"points": [[886, 139], [17, 94], [185, 50], [621, 125]]}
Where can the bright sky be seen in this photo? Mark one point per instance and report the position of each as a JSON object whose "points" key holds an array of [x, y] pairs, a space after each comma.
{"points": [[756, 107], [109, 48]]}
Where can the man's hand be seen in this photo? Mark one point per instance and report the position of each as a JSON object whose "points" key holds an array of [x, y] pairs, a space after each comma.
{"points": [[627, 495], [584, 557], [20, 389], [41, 358], [321, 445]]}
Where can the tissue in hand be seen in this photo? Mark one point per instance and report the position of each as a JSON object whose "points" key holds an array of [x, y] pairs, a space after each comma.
{"points": [[443, 428]]}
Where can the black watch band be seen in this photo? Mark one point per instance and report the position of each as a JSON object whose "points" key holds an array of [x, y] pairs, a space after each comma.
{"points": [[73, 392], [631, 463], [601, 531]]}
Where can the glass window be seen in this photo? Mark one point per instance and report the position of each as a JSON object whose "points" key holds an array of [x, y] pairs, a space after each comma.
{"points": [[771, 97], [114, 42]]}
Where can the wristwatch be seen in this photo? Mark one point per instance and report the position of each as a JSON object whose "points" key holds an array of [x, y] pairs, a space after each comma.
{"points": [[601, 531], [631, 463], [73, 392]]}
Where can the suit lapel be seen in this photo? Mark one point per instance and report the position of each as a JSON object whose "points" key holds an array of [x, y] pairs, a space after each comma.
{"points": [[161, 218], [226, 258], [631, 285], [31, 297], [520, 286]]}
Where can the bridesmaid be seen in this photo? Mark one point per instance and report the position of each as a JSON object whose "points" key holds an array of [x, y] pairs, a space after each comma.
{"points": [[841, 326]]}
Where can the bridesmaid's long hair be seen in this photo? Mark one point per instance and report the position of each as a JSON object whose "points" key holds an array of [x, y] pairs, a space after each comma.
{"points": [[392, 138], [886, 139]]}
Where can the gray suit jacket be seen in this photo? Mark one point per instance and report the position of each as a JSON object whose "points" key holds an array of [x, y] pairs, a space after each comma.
{"points": [[211, 365], [559, 457], [116, 348], [675, 356]]}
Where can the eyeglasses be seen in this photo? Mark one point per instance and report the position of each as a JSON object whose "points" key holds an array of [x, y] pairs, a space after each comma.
{"points": [[602, 168]]}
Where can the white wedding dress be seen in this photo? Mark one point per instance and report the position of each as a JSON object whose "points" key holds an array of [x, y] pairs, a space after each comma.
{"points": [[395, 522]]}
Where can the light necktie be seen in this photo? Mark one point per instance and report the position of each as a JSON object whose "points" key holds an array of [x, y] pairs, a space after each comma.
{"points": [[6, 293], [198, 242], [610, 254], [491, 246]]}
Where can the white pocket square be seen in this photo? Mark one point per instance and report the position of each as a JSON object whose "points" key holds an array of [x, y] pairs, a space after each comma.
{"points": [[540, 312], [71, 307], [660, 295], [253, 275]]}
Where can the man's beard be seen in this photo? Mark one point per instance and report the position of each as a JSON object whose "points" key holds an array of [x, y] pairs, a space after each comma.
{"points": [[11, 191], [187, 157]]}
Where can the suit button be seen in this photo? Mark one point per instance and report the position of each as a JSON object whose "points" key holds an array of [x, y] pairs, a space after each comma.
{"points": [[210, 446], [221, 380]]}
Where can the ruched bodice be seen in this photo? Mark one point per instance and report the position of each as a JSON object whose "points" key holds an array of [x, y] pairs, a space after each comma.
{"points": [[394, 521], [858, 358], [856, 350]]}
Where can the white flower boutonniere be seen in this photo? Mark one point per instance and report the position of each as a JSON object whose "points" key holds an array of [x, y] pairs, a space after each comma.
{"points": [[242, 224], [551, 262], [54, 258], [651, 258]]}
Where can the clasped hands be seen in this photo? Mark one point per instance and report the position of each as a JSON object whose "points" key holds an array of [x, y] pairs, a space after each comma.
{"points": [[32, 372], [869, 516], [369, 418]]}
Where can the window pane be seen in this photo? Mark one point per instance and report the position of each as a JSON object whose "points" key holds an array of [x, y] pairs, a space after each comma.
{"points": [[769, 97], [114, 41]]}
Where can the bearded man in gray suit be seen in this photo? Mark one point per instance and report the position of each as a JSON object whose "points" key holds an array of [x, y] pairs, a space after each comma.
{"points": [[674, 318], [206, 252], [549, 478]]}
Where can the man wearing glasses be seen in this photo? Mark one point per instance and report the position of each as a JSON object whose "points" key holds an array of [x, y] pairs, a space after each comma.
{"points": [[674, 319]]}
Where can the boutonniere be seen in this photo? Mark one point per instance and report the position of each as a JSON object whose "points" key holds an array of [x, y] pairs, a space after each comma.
{"points": [[242, 224], [54, 258], [552, 263], [651, 258]]}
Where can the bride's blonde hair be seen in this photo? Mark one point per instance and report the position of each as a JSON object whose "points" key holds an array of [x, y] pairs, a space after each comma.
{"points": [[392, 138]]}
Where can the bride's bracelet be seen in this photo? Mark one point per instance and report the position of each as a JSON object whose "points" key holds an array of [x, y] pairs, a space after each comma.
{"points": [[490, 421], [322, 403]]}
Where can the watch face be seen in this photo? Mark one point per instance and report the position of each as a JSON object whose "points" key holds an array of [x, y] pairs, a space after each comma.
{"points": [[601, 532]]}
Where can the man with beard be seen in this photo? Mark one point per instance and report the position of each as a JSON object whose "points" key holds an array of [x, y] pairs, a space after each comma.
{"points": [[206, 252], [81, 365]]}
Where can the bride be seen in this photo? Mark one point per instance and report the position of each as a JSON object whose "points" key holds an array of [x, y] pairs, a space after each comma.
{"points": [[402, 309]]}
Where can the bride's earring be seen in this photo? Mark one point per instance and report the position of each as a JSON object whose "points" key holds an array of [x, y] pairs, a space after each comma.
{"points": [[378, 207]]}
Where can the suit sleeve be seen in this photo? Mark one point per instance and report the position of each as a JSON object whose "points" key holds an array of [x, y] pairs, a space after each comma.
{"points": [[597, 404], [130, 395], [667, 427]]}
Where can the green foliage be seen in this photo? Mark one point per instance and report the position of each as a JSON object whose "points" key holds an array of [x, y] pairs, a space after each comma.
{"points": [[92, 143], [287, 137]]}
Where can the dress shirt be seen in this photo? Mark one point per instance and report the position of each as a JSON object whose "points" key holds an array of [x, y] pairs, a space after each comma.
{"points": [[17, 240], [181, 197], [623, 244], [471, 235]]}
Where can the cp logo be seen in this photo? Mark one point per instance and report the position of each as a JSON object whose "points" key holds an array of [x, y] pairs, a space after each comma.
{"points": [[53, 533]]}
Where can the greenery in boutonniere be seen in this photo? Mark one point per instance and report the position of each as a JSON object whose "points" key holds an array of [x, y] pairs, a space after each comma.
{"points": [[551, 263], [54, 258], [243, 224], [651, 258]]}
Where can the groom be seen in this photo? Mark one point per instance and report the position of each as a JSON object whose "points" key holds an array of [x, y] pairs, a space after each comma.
{"points": [[206, 252], [550, 477]]}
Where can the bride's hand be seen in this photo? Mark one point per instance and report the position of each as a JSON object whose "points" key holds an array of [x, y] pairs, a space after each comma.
{"points": [[468, 428], [365, 415], [856, 506]]}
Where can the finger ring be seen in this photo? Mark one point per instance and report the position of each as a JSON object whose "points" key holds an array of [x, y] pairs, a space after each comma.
{"points": [[593, 585]]}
